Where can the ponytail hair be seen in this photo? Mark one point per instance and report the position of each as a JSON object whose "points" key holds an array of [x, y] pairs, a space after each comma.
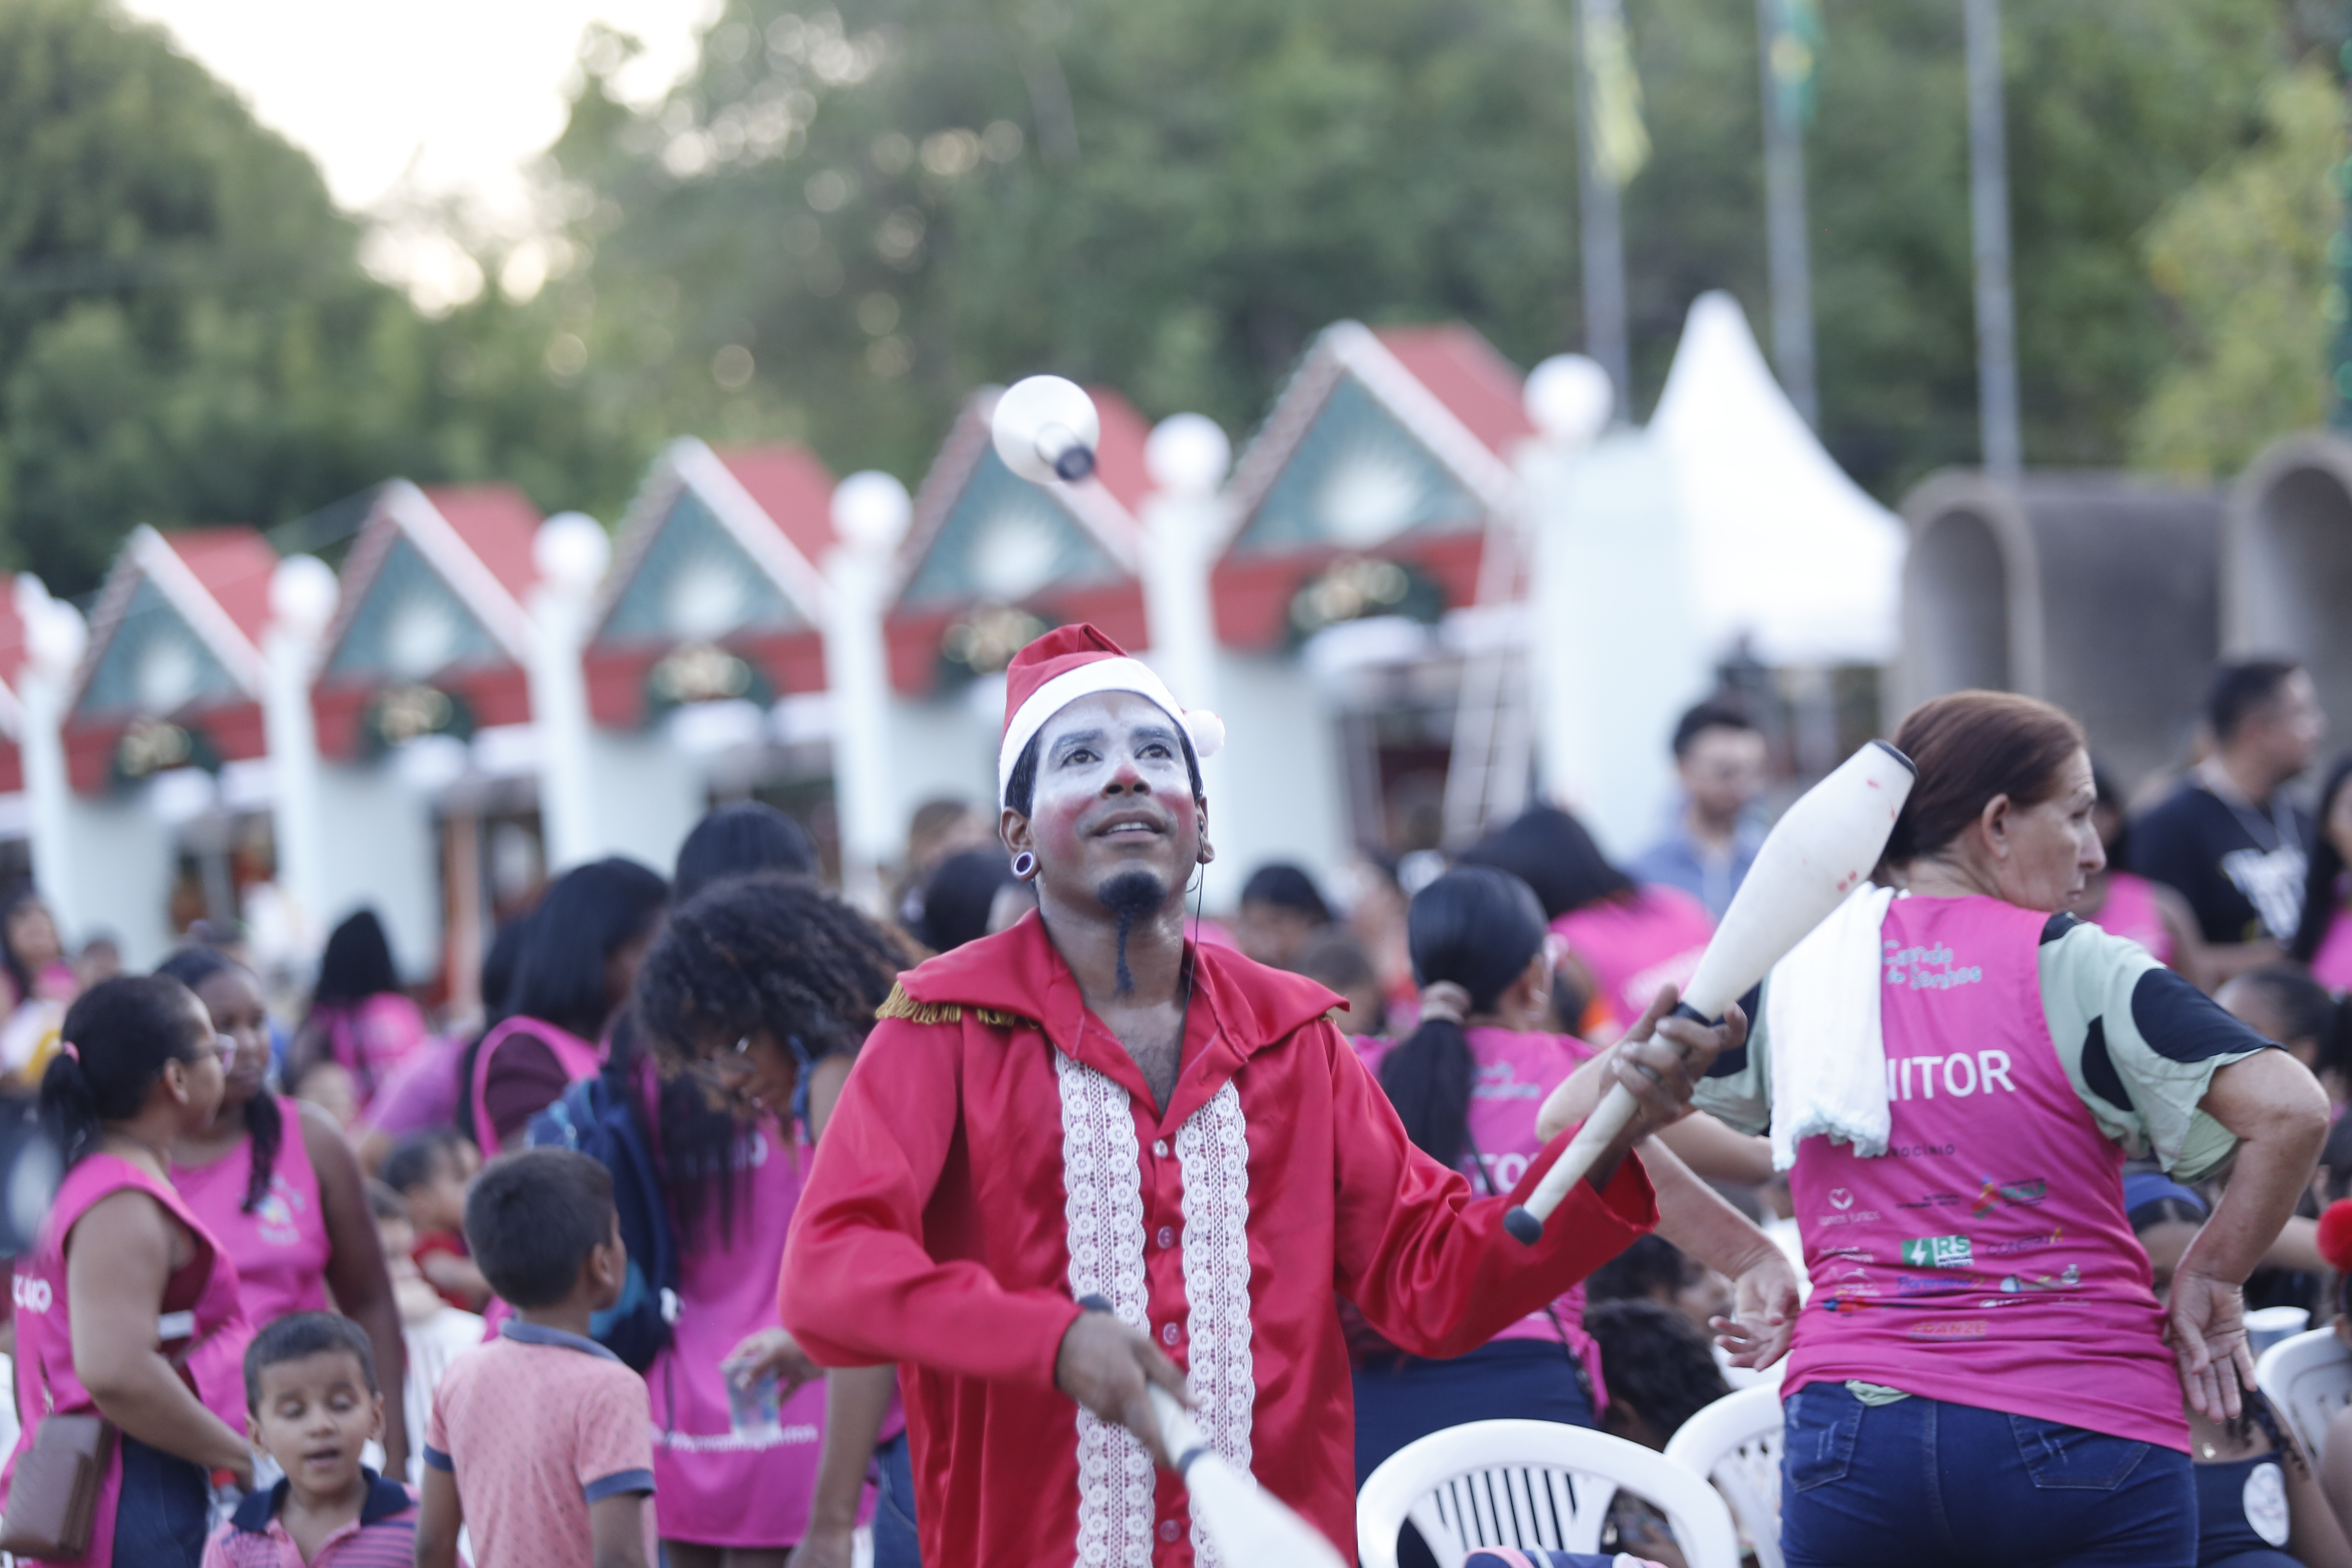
{"points": [[1475, 927], [265, 1123], [119, 1036]]}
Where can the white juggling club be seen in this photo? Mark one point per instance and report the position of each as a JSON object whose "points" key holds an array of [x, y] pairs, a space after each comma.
{"points": [[1822, 848], [1045, 429]]}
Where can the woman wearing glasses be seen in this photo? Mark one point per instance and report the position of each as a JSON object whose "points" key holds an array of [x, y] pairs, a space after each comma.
{"points": [[125, 1277], [291, 1212]]}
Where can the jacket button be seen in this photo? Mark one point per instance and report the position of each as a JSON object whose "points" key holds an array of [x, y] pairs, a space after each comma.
{"points": [[1170, 1332], [1160, 1148], [1168, 1530]]}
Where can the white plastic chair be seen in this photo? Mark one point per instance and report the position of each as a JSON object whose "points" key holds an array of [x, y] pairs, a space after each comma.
{"points": [[1531, 1484], [2307, 1379], [1736, 1444]]}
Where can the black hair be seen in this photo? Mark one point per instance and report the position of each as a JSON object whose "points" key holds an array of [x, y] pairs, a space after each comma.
{"points": [[532, 1218], [1286, 886], [122, 1033], [1551, 851], [2306, 1010], [1656, 1361], [1338, 960], [20, 892], [1477, 928], [777, 955], [587, 914], [384, 1203], [1021, 784], [416, 1158], [265, 1125], [1649, 1267], [2241, 690], [1714, 713], [958, 896], [499, 962], [2118, 849], [298, 1336], [2322, 872], [741, 838], [357, 963]]}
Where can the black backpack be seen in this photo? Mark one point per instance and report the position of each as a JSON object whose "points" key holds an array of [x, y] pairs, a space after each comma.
{"points": [[596, 1117]]}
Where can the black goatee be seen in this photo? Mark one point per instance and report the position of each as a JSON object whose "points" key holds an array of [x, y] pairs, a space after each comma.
{"points": [[1129, 895]]}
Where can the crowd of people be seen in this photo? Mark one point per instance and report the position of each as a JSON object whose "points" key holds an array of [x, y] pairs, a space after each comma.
{"points": [[746, 1220]]}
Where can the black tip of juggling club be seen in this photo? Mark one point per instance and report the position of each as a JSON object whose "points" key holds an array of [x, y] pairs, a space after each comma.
{"points": [[1075, 465], [1909, 766], [1095, 1303], [1524, 1227]]}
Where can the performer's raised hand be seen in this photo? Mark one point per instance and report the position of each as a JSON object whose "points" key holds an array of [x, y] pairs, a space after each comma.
{"points": [[1662, 1059], [1107, 1365]]}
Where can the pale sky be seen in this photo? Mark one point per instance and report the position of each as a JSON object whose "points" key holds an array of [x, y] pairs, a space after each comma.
{"points": [[427, 98]]}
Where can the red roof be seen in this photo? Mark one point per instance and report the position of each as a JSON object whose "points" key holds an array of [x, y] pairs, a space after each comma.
{"points": [[233, 565], [497, 523], [793, 487], [1118, 455], [1463, 371]]}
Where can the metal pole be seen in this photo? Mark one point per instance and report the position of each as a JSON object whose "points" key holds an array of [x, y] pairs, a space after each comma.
{"points": [[1784, 206], [1988, 212], [1604, 235]]}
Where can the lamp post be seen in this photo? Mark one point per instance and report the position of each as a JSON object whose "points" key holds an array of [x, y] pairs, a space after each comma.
{"points": [[303, 597], [571, 551], [1989, 223], [870, 512], [1184, 523]]}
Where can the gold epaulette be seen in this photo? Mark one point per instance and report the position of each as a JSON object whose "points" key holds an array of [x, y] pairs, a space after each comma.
{"points": [[1331, 1017], [898, 1004]]}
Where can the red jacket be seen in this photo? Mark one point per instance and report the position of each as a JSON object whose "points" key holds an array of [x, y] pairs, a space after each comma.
{"points": [[996, 1149]]}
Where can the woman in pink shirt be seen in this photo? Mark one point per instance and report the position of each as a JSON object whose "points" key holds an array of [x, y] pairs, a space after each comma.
{"points": [[1467, 1086], [1982, 1373], [2324, 938], [1631, 937], [361, 1019], [124, 1279], [292, 1213]]}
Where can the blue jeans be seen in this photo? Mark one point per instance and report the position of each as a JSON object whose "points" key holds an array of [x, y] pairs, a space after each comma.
{"points": [[1934, 1485], [160, 1523], [895, 1543]]}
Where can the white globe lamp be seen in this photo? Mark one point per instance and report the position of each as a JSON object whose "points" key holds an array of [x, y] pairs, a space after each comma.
{"points": [[303, 592], [1568, 398], [1045, 429], [870, 512], [571, 551], [1187, 455]]}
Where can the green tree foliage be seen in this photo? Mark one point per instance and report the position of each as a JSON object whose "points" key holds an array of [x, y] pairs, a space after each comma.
{"points": [[2242, 257], [846, 218], [186, 334]]}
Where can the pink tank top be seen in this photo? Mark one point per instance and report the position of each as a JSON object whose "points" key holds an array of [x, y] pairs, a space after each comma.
{"points": [[372, 1036], [2331, 965], [281, 1250], [2130, 912], [207, 1287], [1635, 945], [1515, 1072], [1985, 1258], [579, 1059], [716, 1489]]}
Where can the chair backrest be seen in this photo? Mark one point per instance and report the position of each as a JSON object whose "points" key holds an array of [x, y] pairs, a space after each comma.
{"points": [[1533, 1484], [1736, 1444], [2307, 1379]]}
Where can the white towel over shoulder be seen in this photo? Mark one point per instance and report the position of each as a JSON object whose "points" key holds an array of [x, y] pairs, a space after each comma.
{"points": [[1821, 1020]]}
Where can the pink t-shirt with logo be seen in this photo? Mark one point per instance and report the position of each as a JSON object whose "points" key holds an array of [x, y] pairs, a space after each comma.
{"points": [[1985, 1259], [1636, 944], [2332, 964], [281, 1250], [2130, 910], [1515, 1072]]}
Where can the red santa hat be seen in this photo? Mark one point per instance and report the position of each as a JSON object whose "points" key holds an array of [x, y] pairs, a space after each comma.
{"points": [[1071, 662]]}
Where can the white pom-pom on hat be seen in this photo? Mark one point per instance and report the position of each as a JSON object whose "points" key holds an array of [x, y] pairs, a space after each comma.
{"points": [[1207, 731]]}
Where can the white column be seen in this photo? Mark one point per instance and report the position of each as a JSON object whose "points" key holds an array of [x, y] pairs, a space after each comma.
{"points": [[1184, 524], [54, 636], [302, 594], [869, 513], [571, 551]]}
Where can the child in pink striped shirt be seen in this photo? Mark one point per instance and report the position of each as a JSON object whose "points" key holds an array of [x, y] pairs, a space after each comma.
{"points": [[312, 1404]]}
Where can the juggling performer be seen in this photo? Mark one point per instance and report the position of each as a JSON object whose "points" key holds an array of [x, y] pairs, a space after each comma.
{"points": [[1087, 1110]]}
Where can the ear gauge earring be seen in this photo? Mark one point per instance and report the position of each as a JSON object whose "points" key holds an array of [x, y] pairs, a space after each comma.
{"points": [[1024, 866], [1208, 852]]}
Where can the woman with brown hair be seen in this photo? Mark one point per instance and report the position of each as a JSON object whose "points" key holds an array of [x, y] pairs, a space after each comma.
{"points": [[1983, 1373]]}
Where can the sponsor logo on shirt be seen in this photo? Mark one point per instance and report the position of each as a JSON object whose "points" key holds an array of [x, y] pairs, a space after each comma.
{"points": [[1997, 1194], [276, 1213], [1937, 1252], [1947, 1329], [1921, 1150], [1935, 1285], [1841, 1198], [2017, 1244], [1934, 1201], [1848, 1217], [30, 1295], [1498, 1080]]}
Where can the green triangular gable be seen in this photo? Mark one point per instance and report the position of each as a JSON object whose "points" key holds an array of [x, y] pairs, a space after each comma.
{"points": [[154, 663], [1356, 480], [1004, 540], [695, 583], [411, 625]]}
